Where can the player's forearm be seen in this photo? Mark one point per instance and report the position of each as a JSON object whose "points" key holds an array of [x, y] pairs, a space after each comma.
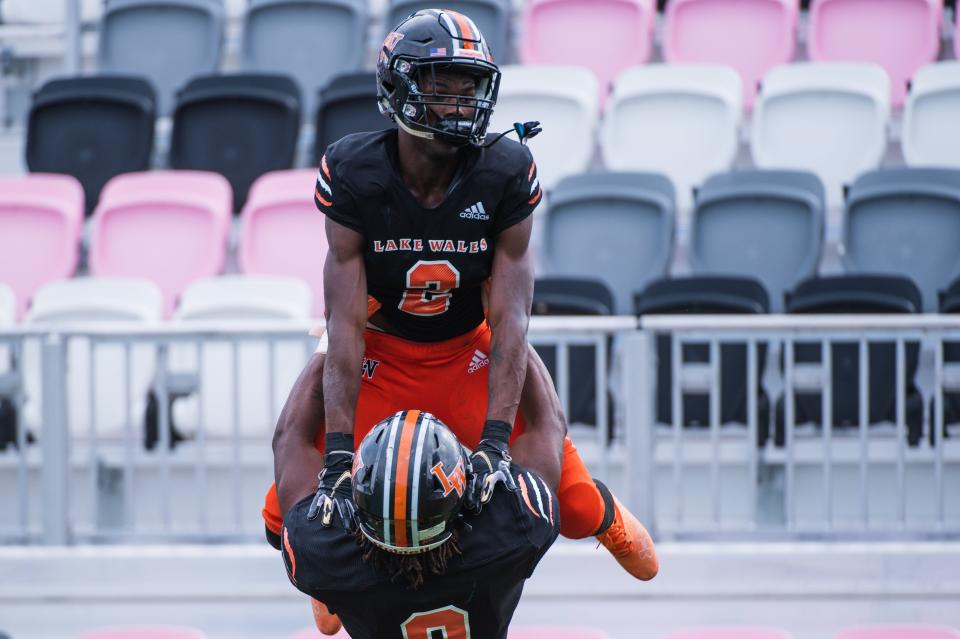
{"points": [[341, 376], [508, 364]]}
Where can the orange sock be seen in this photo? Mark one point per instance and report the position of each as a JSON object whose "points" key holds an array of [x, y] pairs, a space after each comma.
{"points": [[582, 508]]}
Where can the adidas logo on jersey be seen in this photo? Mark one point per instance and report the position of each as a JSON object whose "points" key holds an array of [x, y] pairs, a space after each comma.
{"points": [[475, 212], [479, 361]]}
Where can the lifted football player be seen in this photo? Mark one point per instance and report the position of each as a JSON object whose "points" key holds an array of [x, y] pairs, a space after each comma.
{"points": [[405, 555], [428, 280]]}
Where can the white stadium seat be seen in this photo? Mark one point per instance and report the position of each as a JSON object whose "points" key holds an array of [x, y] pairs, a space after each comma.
{"points": [[564, 100], [931, 126], [678, 119], [827, 117], [232, 300], [88, 301]]}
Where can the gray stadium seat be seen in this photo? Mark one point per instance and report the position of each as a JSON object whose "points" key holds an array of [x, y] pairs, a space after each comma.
{"points": [[905, 222], [167, 41], [92, 128], [615, 227], [240, 126], [762, 224], [492, 17], [309, 40], [347, 105]]}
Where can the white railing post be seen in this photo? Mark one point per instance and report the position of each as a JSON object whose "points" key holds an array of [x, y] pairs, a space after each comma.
{"points": [[639, 360], [72, 54], [55, 470]]}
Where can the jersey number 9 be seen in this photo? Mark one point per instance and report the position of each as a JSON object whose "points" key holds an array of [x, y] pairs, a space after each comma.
{"points": [[449, 622], [428, 288]]}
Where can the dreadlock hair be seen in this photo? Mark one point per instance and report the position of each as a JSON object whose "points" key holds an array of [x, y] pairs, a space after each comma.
{"points": [[413, 568]]}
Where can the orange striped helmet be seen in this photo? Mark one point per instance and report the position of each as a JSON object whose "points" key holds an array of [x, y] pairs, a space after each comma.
{"points": [[410, 475]]}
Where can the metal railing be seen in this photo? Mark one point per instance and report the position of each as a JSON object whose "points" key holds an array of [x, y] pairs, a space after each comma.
{"points": [[107, 406]]}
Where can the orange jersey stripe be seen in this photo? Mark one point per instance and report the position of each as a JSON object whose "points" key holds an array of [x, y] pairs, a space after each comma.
{"points": [[293, 558], [322, 199], [465, 31], [533, 167], [323, 165], [526, 495], [536, 197], [400, 478]]}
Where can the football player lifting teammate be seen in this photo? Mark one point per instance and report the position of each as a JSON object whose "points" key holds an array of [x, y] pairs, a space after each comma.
{"points": [[428, 280], [407, 555]]}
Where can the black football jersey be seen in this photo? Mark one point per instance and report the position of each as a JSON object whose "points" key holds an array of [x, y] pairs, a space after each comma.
{"points": [[475, 597], [426, 267]]}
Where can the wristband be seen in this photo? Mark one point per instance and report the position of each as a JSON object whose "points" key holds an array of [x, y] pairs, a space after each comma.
{"points": [[497, 431], [339, 443]]}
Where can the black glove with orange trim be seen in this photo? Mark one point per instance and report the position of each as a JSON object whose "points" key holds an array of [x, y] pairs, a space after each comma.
{"points": [[490, 464], [335, 491]]}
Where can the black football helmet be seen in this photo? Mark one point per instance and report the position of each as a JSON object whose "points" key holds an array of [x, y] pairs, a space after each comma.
{"points": [[428, 41], [410, 476]]}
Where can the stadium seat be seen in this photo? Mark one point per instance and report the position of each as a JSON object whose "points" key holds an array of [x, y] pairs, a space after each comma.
{"points": [[847, 295], [615, 227], [492, 17], [40, 222], [678, 119], [240, 126], [899, 35], [752, 36], [90, 301], [144, 632], [309, 40], [906, 631], [710, 295], [46, 11], [75, 124], [281, 232], [574, 296], [348, 104], [555, 632], [905, 221], [931, 128], [231, 300], [829, 118], [8, 307], [564, 101], [166, 226], [730, 632], [762, 224], [619, 35], [168, 41]]}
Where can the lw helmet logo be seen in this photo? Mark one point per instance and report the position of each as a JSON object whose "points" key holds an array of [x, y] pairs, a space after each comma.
{"points": [[455, 481]]}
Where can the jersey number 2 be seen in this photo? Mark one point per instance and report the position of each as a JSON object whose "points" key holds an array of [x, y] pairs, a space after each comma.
{"points": [[428, 288], [444, 623]]}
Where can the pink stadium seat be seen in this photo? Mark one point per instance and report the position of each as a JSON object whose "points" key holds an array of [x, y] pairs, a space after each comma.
{"points": [[622, 35], [166, 226], [752, 36], [730, 632], [899, 632], [313, 633], [555, 632], [145, 632], [41, 217], [282, 231], [899, 35]]}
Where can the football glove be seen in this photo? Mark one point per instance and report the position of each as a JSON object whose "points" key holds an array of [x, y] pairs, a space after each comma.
{"points": [[490, 463], [334, 496]]}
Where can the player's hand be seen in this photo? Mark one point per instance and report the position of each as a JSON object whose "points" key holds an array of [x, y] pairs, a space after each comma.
{"points": [[334, 496], [491, 464]]}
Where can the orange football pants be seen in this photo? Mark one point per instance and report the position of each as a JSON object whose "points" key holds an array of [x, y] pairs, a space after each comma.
{"points": [[449, 380]]}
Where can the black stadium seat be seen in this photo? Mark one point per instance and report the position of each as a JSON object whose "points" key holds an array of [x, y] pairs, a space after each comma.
{"points": [[858, 294], [92, 128], [240, 126], [347, 105], [715, 295], [575, 296]]}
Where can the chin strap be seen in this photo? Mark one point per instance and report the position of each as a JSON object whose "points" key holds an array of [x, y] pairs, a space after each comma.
{"points": [[524, 131]]}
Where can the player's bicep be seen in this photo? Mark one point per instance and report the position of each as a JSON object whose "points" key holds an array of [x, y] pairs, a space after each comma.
{"points": [[344, 276]]}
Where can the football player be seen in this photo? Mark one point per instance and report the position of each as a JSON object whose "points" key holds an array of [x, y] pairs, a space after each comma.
{"points": [[405, 555], [428, 278]]}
